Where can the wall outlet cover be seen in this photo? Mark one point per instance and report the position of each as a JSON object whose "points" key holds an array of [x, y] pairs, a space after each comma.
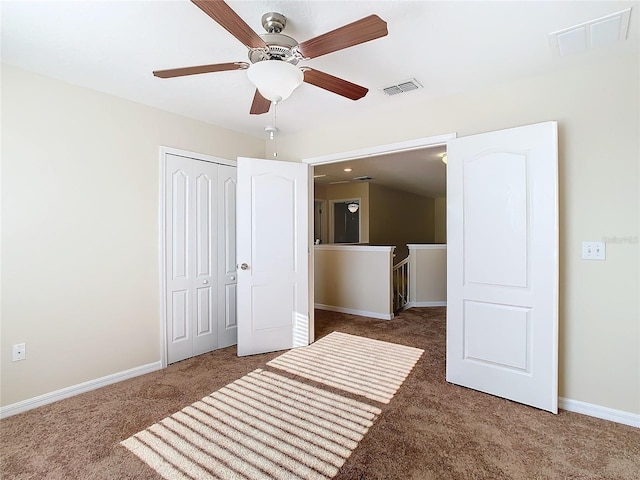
{"points": [[19, 352]]}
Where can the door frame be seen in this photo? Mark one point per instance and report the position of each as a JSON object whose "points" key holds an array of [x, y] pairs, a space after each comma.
{"points": [[384, 149], [163, 152], [378, 150]]}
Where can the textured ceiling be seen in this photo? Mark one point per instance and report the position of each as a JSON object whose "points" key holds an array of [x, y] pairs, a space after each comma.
{"points": [[448, 46]]}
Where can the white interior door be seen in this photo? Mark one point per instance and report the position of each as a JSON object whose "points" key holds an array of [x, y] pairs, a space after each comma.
{"points": [[502, 264], [273, 253], [199, 250]]}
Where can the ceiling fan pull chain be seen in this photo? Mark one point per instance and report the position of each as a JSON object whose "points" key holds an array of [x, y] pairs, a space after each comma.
{"points": [[272, 130], [275, 129]]}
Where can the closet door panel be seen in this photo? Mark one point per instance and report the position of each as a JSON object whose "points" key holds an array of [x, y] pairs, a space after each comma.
{"points": [[204, 258], [179, 272], [227, 276]]}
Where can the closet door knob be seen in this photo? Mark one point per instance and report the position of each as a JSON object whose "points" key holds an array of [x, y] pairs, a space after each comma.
{"points": [[244, 266]]}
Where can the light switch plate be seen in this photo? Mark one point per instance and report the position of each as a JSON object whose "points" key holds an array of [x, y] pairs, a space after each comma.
{"points": [[593, 250]]}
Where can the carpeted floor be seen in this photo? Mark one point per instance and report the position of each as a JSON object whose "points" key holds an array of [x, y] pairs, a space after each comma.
{"points": [[267, 425], [428, 430]]}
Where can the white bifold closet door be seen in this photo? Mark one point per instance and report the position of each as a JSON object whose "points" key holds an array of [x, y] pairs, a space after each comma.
{"points": [[200, 263]]}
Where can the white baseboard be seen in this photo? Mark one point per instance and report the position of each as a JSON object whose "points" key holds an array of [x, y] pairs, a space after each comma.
{"points": [[605, 413], [362, 313], [426, 304], [73, 390]]}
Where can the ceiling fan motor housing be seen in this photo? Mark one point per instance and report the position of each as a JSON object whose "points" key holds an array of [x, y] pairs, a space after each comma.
{"points": [[279, 46]]}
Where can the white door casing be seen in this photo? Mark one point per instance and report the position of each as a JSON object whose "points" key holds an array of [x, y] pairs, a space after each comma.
{"points": [[502, 264], [273, 255], [195, 246]]}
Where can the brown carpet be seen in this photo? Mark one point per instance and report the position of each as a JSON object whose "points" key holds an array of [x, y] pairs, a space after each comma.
{"points": [[266, 425], [429, 430]]}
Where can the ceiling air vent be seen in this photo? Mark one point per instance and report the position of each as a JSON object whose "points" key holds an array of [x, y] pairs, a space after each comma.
{"points": [[593, 34], [364, 178], [402, 87]]}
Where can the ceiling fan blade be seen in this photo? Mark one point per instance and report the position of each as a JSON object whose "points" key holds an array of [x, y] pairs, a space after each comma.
{"points": [[260, 104], [230, 21], [360, 31], [334, 84], [216, 67]]}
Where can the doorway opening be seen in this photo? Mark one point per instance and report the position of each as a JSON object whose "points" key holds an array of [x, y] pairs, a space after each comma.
{"points": [[414, 167], [345, 225]]}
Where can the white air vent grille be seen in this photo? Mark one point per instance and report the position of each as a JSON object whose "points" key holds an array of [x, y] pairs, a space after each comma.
{"points": [[596, 33], [402, 87]]}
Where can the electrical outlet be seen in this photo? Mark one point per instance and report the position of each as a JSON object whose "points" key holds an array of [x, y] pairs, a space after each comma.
{"points": [[593, 250], [19, 352]]}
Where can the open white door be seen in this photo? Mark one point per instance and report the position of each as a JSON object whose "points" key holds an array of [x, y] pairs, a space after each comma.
{"points": [[502, 264], [273, 255]]}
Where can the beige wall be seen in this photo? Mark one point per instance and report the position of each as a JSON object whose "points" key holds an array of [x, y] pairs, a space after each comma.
{"points": [[597, 109], [428, 275], [320, 191], [440, 220], [354, 279], [80, 229], [398, 218]]}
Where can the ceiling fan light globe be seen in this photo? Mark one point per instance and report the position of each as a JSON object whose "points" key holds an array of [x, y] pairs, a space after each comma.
{"points": [[275, 80]]}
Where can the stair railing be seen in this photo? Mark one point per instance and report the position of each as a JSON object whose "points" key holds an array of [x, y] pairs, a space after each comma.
{"points": [[400, 275]]}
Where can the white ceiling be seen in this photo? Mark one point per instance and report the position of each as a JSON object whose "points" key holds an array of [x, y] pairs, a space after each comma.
{"points": [[448, 46]]}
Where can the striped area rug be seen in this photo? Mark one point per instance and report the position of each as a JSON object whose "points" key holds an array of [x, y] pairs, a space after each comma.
{"points": [[268, 426]]}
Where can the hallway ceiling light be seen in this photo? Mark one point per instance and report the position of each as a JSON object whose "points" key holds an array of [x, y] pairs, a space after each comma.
{"points": [[353, 207]]}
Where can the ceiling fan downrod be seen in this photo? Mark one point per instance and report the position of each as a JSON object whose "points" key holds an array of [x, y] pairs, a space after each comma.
{"points": [[274, 22]]}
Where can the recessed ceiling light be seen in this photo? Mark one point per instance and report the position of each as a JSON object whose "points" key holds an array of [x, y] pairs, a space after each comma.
{"points": [[348, 169]]}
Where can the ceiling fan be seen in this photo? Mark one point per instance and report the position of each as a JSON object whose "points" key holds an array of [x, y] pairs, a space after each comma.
{"points": [[274, 56]]}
